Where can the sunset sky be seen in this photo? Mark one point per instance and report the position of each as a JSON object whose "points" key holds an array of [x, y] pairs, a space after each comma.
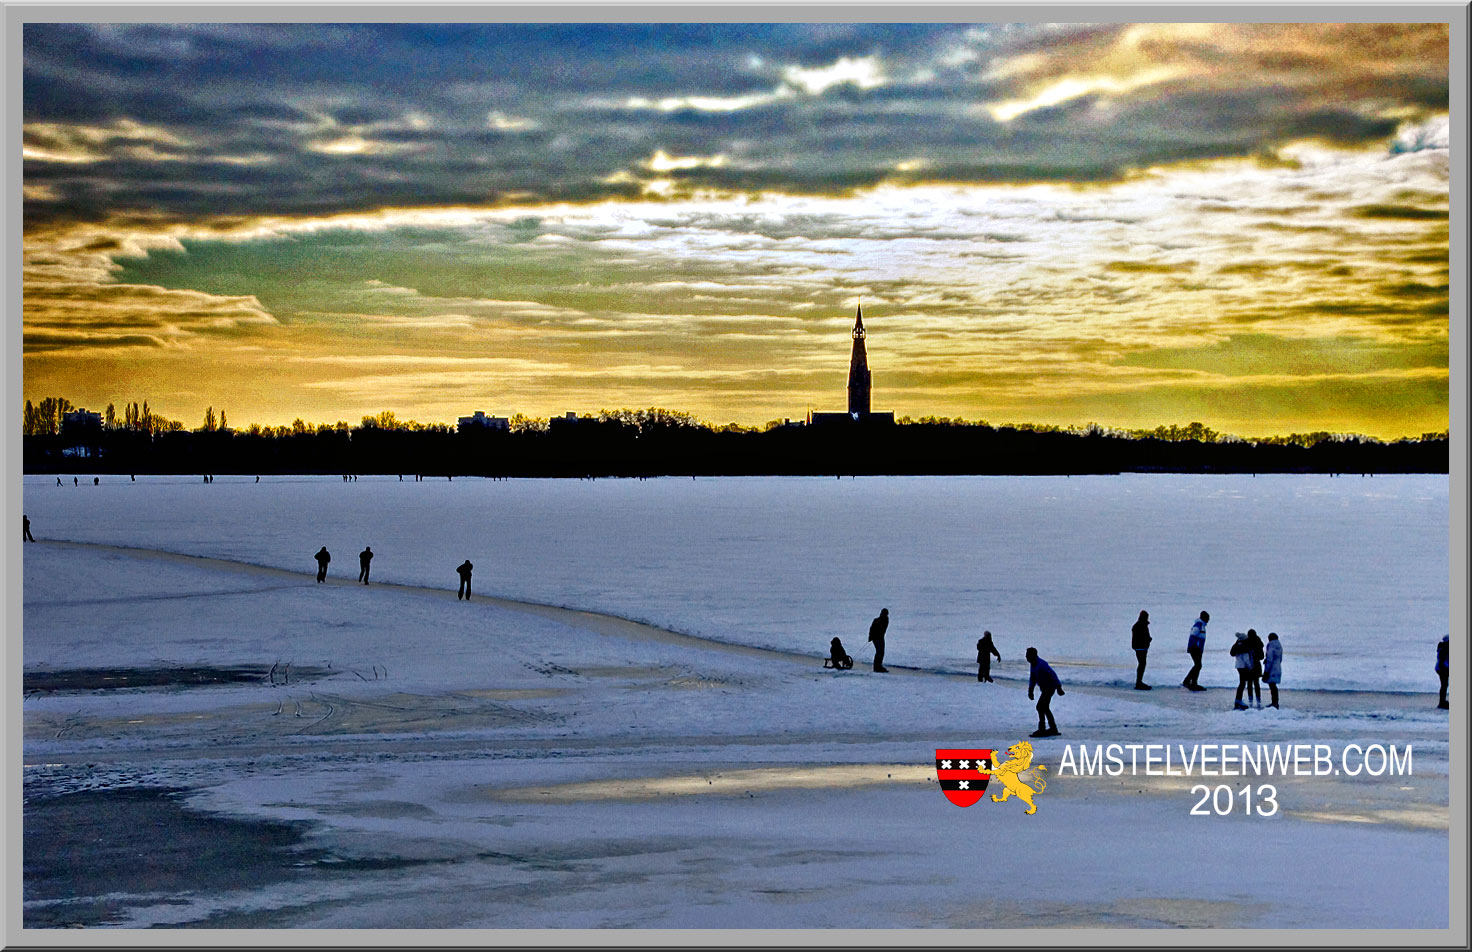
{"points": [[1128, 224]]}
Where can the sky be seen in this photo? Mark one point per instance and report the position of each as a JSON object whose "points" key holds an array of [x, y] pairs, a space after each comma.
{"points": [[1129, 224]]}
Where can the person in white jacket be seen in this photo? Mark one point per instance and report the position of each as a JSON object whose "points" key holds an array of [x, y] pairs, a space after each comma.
{"points": [[1272, 665]]}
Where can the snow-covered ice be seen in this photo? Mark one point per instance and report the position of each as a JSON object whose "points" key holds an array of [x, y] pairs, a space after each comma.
{"points": [[501, 765]]}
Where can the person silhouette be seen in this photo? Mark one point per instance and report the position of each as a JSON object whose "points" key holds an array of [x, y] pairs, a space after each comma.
{"points": [[74, 481], [1272, 666], [364, 558], [1044, 679], [1195, 645], [877, 628], [58, 480], [984, 651], [25, 530], [322, 557], [1140, 641], [1443, 668], [464, 570]]}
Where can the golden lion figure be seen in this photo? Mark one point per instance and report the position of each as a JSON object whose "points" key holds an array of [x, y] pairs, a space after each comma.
{"points": [[1008, 773]]}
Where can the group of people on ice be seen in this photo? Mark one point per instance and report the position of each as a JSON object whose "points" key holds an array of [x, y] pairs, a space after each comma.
{"points": [[365, 560], [1255, 661]]}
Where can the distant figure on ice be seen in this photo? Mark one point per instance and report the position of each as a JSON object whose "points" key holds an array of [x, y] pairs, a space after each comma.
{"points": [[25, 536], [58, 480], [1140, 641], [1195, 645], [258, 479], [1272, 666], [984, 651], [364, 558], [96, 481], [1241, 653], [837, 657], [464, 570], [877, 628], [74, 481], [1442, 668], [1043, 679], [322, 557], [1256, 650]]}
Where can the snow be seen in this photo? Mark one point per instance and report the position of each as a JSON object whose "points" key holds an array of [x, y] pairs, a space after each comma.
{"points": [[520, 767], [1352, 572]]}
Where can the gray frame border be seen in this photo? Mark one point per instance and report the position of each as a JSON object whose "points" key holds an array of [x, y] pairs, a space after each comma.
{"points": [[1453, 14]]}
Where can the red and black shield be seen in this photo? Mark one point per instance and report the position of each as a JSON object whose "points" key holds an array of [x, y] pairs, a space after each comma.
{"points": [[963, 774]]}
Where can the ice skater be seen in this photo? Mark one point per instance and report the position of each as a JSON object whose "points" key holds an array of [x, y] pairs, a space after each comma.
{"points": [[1195, 645], [1443, 668], [1140, 641], [25, 536], [322, 557], [364, 558], [464, 570], [984, 651], [877, 628], [1272, 666], [1043, 679]]}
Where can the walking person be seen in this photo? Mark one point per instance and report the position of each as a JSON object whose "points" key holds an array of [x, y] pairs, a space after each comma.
{"points": [[1140, 641], [877, 628], [1044, 679], [1242, 659], [1272, 666], [25, 536], [984, 651], [1195, 646], [364, 558], [1443, 668], [322, 557], [1256, 650], [464, 570]]}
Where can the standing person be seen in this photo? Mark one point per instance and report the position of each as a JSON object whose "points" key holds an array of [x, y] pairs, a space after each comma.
{"points": [[1044, 679], [1256, 650], [364, 558], [1242, 658], [25, 536], [464, 571], [984, 651], [1195, 645], [322, 557], [96, 481], [1443, 668], [877, 628], [74, 481], [58, 480], [1272, 666], [1140, 641]]}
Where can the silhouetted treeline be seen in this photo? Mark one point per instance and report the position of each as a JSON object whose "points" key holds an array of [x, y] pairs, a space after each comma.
{"points": [[660, 443]]}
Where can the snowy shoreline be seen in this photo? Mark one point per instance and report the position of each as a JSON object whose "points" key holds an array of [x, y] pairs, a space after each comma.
{"points": [[557, 736]]}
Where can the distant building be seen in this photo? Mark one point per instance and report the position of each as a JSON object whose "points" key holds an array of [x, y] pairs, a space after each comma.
{"points": [[567, 419], [481, 421], [860, 384], [80, 420]]}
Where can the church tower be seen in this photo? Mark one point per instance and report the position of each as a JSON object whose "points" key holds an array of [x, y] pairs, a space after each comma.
{"points": [[858, 370]]}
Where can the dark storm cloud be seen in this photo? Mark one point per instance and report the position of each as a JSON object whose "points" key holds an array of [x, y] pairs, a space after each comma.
{"points": [[192, 121]]}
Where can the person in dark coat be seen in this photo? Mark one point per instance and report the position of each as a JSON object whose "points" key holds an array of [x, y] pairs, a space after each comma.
{"points": [[837, 657], [1043, 679], [322, 557], [877, 628], [464, 571], [1257, 651], [364, 558], [25, 536], [1443, 668], [1195, 645], [984, 651], [1140, 641]]}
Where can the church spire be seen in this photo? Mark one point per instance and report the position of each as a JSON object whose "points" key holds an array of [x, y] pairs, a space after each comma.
{"points": [[858, 369]]}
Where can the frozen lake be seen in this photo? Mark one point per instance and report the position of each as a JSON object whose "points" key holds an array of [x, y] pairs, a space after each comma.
{"points": [[1352, 572]]}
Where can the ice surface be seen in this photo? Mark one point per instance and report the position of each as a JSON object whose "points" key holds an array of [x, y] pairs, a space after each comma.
{"points": [[1352, 572]]}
